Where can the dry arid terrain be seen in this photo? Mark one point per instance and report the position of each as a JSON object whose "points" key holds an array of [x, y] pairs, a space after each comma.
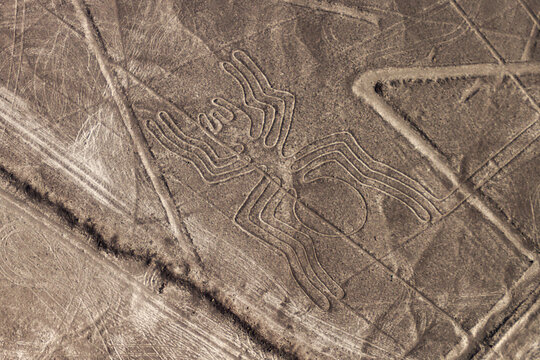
{"points": [[269, 179]]}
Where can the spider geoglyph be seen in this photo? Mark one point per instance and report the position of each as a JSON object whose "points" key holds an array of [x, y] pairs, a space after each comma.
{"points": [[253, 135]]}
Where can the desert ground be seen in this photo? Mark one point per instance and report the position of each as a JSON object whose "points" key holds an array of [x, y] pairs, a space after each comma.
{"points": [[277, 179]]}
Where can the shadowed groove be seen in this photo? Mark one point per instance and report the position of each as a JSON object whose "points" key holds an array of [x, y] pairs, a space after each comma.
{"points": [[148, 258]]}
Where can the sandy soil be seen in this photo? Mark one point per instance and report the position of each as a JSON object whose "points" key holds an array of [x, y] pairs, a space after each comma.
{"points": [[312, 179]]}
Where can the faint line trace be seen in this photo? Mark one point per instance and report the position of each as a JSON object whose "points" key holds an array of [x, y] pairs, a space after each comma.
{"points": [[531, 42], [338, 9]]}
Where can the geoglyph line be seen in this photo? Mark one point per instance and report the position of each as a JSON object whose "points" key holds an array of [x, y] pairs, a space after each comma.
{"points": [[364, 87], [458, 328], [511, 334], [497, 161], [479, 331], [17, 118], [177, 226], [79, 246], [519, 143], [337, 9], [531, 41], [529, 11], [256, 230], [496, 55], [248, 217], [268, 216], [212, 168], [343, 149], [519, 290], [277, 106]]}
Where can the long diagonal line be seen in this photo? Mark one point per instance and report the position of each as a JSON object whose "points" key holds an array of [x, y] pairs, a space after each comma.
{"points": [[484, 167], [20, 53], [496, 55], [364, 87], [72, 167], [177, 226], [416, 290], [13, 43], [529, 11], [200, 194], [348, 239], [500, 60], [72, 242], [531, 41], [436, 221], [59, 18], [342, 10]]}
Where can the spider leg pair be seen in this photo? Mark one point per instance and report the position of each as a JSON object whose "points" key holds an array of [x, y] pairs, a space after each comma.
{"points": [[212, 167], [359, 168], [275, 107], [257, 217]]}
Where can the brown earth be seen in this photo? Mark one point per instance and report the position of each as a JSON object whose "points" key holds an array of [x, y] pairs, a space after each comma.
{"points": [[311, 179]]}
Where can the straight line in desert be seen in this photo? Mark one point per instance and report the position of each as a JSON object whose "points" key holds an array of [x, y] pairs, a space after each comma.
{"points": [[338, 9], [128, 118], [513, 333], [384, 267], [51, 149], [177, 226], [71, 241], [479, 331], [531, 41], [458, 328], [493, 51], [529, 11], [364, 87]]}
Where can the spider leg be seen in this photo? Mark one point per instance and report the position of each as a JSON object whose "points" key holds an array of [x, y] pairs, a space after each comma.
{"points": [[266, 111], [281, 101], [196, 155], [232, 113], [301, 242], [248, 218], [354, 176], [202, 148], [213, 122], [361, 168]]}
